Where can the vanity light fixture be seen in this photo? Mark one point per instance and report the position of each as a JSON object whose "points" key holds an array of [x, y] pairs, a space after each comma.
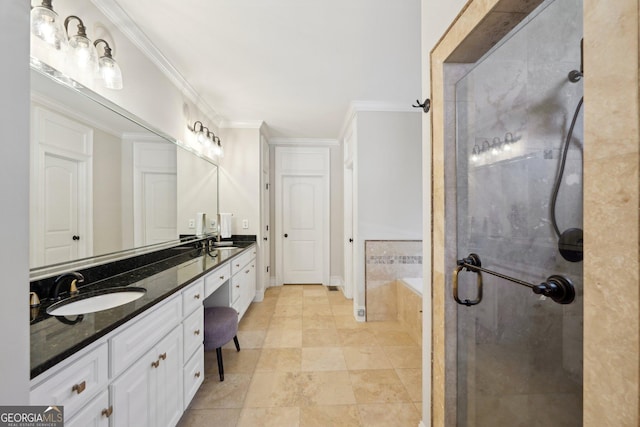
{"points": [[109, 68], [46, 25], [83, 52], [207, 139]]}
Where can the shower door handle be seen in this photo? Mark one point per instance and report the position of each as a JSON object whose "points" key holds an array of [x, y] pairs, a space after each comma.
{"points": [[467, 302]]}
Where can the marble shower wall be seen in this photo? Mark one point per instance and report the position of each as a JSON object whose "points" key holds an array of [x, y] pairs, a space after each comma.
{"points": [[385, 262], [516, 352]]}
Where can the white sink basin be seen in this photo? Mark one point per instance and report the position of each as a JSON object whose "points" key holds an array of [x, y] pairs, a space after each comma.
{"points": [[222, 248], [91, 302]]}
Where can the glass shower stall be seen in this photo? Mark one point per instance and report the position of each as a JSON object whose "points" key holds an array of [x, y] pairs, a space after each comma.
{"points": [[518, 207]]}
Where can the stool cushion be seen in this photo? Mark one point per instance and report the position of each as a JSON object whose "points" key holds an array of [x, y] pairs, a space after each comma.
{"points": [[220, 326]]}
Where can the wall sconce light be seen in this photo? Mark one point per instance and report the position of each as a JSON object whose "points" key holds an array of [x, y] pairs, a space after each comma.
{"points": [[83, 52], [496, 146], [207, 139], [218, 150], [46, 25], [508, 140], [109, 68], [475, 153]]}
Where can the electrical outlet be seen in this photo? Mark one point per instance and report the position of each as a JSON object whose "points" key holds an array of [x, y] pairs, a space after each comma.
{"points": [[245, 224], [361, 312], [192, 223], [213, 223]]}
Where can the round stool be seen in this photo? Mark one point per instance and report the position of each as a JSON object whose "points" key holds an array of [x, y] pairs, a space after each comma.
{"points": [[220, 326]]}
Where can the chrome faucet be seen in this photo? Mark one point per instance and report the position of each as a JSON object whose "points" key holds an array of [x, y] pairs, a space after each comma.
{"points": [[73, 290]]}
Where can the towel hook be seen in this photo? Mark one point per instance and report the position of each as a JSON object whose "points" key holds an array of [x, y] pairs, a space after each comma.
{"points": [[426, 105]]}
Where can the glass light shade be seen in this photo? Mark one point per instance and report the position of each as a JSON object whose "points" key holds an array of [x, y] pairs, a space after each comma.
{"points": [[219, 150], [85, 57], [47, 26], [201, 137], [110, 73]]}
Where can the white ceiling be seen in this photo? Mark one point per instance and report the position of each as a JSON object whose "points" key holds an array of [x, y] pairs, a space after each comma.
{"points": [[295, 64]]}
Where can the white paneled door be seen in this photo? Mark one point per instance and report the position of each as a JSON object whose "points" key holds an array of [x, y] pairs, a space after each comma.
{"points": [[302, 215], [302, 226], [160, 212], [61, 176], [60, 212]]}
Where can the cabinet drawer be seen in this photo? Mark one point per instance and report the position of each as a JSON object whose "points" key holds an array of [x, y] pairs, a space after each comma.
{"points": [[95, 414], [193, 375], [193, 327], [216, 278], [237, 282], [140, 335], [75, 384], [193, 296], [238, 263]]}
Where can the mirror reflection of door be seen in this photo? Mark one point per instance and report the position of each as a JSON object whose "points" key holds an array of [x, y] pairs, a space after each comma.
{"points": [[155, 192], [61, 177]]}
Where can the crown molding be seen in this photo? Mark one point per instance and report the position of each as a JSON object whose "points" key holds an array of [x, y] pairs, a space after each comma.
{"points": [[356, 107], [241, 124], [314, 142], [114, 12]]}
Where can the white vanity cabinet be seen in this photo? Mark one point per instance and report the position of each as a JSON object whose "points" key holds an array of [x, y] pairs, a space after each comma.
{"points": [[240, 290], [146, 372], [95, 414], [76, 383], [193, 347], [148, 393]]}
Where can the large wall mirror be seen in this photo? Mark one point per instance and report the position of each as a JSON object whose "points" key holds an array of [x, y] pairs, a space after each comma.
{"points": [[104, 184]]}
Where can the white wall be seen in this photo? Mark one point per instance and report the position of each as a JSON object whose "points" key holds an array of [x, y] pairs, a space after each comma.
{"points": [[389, 181], [437, 15], [14, 191], [336, 191], [240, 178], [107, 197]]}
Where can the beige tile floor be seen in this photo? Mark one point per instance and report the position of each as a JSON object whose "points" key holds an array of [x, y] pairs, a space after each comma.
{"points": [[305, 361]]}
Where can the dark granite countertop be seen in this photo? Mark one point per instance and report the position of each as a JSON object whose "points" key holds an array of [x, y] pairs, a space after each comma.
{"points": [[53, 339]]}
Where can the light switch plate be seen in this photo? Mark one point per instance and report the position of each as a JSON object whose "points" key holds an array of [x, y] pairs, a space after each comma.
{"points": [[192, 223]]}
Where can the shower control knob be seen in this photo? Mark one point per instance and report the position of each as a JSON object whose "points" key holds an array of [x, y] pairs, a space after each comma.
{"points": [[76, 237]]}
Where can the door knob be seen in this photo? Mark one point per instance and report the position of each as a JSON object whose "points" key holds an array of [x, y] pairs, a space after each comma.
{"points": [[286, 235], [265, 239], [350, 240], [76, 237]]}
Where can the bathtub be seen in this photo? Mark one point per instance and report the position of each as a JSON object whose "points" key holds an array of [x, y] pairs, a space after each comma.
{"points": [[413, 283]]}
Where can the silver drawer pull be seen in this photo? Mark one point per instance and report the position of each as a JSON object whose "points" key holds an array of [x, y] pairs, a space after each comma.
{"points": [[107, 412], [237, 286], [79, 388], [196, 296], [237, 265], [196, 332], [197, 374], [221, 277], [155, 364], [163, 356]]}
